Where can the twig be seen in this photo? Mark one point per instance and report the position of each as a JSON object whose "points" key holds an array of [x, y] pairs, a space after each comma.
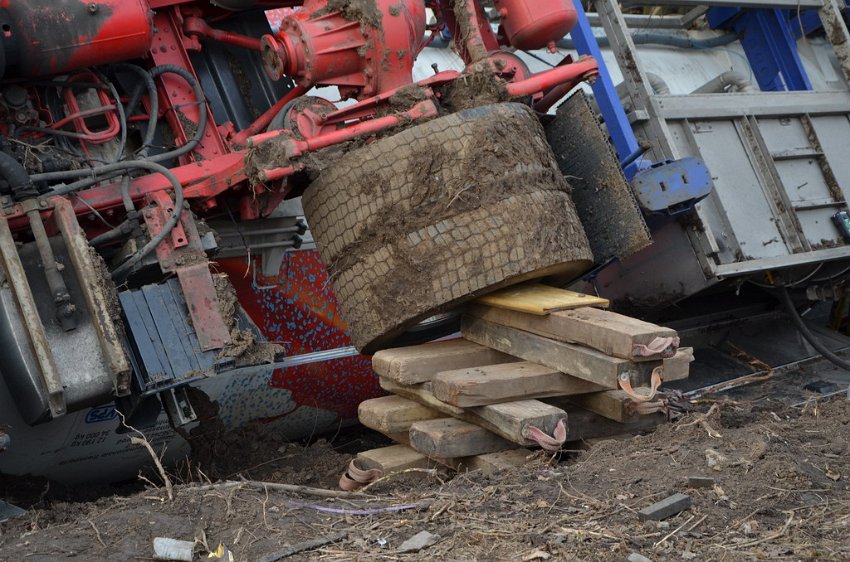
{"points": [[590, 533], [96, 533], [375, 511], [775, 535], [306, 490], [702, 421], [695, 525], [673, 532], [143, 441], [301, 547], [431, 471]]}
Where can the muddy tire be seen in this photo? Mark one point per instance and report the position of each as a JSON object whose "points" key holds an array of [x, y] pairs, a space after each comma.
{"points": [[419, 222]]}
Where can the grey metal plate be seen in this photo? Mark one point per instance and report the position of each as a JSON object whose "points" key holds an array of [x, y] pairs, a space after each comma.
{"points": [[163, 338], [605, 201]]}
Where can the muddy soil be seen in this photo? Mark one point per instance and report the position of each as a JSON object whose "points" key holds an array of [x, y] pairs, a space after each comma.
{"points": [[363, 11], [781, 493], [474, 90]]}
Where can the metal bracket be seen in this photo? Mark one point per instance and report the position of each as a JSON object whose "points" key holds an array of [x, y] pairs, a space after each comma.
{"points": [[769, 43], [17, 279], [178, 406], [673, 187]]}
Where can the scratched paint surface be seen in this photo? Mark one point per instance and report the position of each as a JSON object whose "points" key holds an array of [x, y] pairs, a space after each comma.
{"points": [[297, 309], [276, 16]]}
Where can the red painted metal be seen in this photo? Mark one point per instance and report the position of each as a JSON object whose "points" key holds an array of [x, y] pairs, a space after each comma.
{"points": [[319, 46], [203, 305], [176, 96], [112, 128], [194, 26], [535, 24], [297, 309], [56, 37], [266, 118], [574, 73]]}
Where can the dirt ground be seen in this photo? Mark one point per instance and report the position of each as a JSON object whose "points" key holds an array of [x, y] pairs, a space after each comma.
{"points": [[781, 493]]}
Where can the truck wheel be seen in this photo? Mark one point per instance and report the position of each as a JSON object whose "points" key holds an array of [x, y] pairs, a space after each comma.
{"points": [[417, 223]]}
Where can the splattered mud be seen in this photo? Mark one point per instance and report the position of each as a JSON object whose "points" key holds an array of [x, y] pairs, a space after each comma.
{"points": [[780, 492]]}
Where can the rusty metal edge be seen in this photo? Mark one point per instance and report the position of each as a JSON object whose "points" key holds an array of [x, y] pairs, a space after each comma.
{"points": [[97, 302], [32, 321]]}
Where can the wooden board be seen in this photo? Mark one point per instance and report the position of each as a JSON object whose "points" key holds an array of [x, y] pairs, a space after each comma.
{"points": [[507, 420], [585, 424], [402, 438], [582, 362], [394, 458], [678, 367], [419, 363], [612, 404], [491, 463], [611, 333], [451, 438], [539, 299], [479, 386], [393, 414]]}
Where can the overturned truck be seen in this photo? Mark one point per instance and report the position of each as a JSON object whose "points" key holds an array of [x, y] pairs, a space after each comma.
{"points": [[191, 230]]}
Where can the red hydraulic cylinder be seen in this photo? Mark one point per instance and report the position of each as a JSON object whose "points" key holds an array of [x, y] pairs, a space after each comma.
{"points": [[48, 37], [535, 24]]}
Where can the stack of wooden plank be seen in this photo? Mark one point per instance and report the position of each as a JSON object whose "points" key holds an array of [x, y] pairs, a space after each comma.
{"points": [[530, 357]]}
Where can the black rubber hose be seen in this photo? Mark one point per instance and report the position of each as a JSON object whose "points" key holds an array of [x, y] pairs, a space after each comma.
{"points": [[14, 173], [153, 100], [100, 171], [810, 337], [663, 39], [123, 167], [122, 120], [116, 233], [641, 39]]}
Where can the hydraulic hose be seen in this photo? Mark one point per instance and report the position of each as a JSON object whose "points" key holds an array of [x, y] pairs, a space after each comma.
{"points": [[663, 39], [153, 98], [14, 173], [119, 167], [122, 119], [640, 39], [810, 337]]}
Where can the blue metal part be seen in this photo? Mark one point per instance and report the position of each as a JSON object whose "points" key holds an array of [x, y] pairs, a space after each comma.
{"points": [[672, 187], [166, 351], [808, 22], [616, 120], [770, 44]]}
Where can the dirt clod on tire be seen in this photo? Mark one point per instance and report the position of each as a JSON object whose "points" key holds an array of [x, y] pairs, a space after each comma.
{"points": [[419, 222]]}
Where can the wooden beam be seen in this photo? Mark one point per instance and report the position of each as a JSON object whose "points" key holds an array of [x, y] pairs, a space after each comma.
{"points": [[491, 463], [585, 424], [394, 458], [581, 362], [678, 367], [538, 299], [508, 420], [612, 404], [393, 414], [450, 438], [402, 438], [479, 386], [418, 364], [611, 333]]}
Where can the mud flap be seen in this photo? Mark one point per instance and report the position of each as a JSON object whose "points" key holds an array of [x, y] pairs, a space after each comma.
{"points": [[606, 203]]}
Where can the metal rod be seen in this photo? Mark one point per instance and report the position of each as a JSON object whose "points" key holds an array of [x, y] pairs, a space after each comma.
{"points": [[61, 297]]}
